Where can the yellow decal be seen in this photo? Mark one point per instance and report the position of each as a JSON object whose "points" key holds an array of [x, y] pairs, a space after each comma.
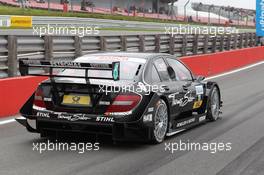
{"points": [[76, 100], [197, 104], [21, 21]]}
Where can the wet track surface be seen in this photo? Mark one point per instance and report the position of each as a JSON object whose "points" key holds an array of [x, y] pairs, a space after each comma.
{"points": [[242, 124]]}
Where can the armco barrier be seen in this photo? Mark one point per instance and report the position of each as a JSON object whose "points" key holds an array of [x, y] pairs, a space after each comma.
{"points": [[15, 91]]}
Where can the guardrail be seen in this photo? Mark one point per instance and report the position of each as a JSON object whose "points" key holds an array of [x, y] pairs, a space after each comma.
{"points": [[67, 48]]}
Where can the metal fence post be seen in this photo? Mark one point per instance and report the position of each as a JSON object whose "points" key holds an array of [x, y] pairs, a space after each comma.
{"points": [[222, 42], [214, 44], [235, 41], [184, 44], [48, 45], [157, 43], [195, 44], [255, 40], [241, 38], [78, 46], [229, 42], [246, 40], [172, 45], [123, 43], [12, 56], [102, 43], [205, 44], [251, 40], [141, 43]]}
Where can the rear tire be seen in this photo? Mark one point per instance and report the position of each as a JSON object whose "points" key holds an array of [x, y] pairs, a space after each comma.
{"points": [[160, 120], [213, 107]]}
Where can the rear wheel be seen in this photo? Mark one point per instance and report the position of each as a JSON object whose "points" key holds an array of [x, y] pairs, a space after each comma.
{"points": [[213, 108], [160, 122]]}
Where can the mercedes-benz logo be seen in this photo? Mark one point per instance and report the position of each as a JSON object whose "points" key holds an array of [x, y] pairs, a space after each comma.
{"points": [[76, 99]]}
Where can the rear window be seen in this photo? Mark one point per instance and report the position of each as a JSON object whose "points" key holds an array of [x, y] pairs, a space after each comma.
{"points": [[129, 67]]}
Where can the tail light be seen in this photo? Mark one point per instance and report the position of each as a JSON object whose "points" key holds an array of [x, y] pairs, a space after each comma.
{"points": [[124, 103], [38, 100]]}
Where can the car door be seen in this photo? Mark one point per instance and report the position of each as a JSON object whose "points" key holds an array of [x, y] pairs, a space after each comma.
{"points": [[191, 91], [171, 87]]}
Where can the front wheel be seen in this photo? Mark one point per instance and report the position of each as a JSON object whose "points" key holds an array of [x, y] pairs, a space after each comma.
{"points": [[213, 108], [160, 122]]}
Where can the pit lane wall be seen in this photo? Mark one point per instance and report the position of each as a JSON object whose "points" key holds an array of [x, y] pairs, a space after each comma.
{"points": [[15, 91]]}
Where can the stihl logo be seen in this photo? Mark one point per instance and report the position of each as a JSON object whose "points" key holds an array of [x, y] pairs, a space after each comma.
{"points": [[104, 119], [42, 114]]}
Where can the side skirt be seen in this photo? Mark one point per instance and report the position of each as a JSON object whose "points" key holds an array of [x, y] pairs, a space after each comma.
{"points": [[186, 123]]}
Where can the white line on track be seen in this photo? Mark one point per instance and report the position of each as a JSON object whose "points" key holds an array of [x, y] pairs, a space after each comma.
{"points": [[3, 122], [235, 71], [6, 121]]}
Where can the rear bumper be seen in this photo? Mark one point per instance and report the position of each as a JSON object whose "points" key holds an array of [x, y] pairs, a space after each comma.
{"points": [[136, 131]]}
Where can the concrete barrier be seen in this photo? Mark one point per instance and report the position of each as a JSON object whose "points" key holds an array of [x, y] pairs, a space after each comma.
{"points": [[216, 63], [15, 91]]}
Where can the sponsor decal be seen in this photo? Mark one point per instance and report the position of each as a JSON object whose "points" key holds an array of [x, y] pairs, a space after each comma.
{"points": [[202, 118], [199, 90], [151, 109], [147, 118], [21, 21], [118, 113], [186, 122], [66, 64], [182, 101], [43, 114], [106, 103], [260, 17], [197, 104], [74, 117], [105, 119]]}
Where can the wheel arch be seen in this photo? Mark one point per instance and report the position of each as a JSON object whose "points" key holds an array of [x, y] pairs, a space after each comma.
{"points": [[168, 107], [209, 87]]}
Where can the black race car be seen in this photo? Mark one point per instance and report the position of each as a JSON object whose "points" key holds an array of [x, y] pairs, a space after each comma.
{"points": [[138, 96]]}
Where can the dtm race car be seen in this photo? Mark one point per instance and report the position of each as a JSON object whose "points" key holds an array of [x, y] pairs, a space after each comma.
{"points": [[130, 96]]}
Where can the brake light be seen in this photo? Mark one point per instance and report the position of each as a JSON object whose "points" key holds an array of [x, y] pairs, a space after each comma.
{"points": [[124, 103], [38, 100]]}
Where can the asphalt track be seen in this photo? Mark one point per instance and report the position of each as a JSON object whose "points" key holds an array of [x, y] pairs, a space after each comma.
{"points": [[241, 124]]}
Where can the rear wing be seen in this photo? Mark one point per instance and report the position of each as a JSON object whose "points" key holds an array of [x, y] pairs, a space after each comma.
{"points": [[48, 66]]}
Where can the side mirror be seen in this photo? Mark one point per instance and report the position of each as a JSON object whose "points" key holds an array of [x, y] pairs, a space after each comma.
{"points": [[171, 73], [200, 78]]}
